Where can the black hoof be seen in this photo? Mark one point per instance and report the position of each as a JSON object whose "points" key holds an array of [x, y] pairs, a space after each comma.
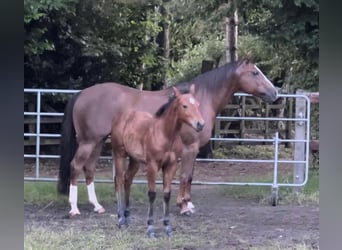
{"points": [[127, 213], [123, 222], [150, 231], [187, 214], [168, 230]]}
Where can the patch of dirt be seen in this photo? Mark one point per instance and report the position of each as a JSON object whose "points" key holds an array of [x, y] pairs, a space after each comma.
{"points": [[222, 222], [204, 171]]}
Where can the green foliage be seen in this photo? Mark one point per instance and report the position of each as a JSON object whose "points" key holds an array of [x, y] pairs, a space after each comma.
{"points": [[79, 45], [290, 30], [190, 64], [74, 44]]}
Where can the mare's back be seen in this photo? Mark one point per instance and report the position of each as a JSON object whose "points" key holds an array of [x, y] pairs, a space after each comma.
{"points": [[97, 105]]}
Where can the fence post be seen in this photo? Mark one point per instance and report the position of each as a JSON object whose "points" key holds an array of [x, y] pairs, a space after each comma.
{"points": [[299, 149]]}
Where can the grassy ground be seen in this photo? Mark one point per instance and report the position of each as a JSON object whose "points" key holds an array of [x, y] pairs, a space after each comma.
{"points": [[45, 194], [99, 239], [70, 239]]}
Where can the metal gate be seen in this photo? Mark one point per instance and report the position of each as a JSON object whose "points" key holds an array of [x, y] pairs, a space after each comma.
{"points": [[301, 143]]}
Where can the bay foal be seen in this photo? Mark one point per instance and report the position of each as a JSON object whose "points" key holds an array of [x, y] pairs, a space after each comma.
{"points": [[155, 141]]}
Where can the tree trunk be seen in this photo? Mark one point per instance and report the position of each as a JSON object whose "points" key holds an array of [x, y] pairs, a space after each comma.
{"points": [[232, 33], [166, 43]]}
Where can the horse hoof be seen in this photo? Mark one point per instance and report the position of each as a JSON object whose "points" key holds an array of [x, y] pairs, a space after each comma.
{"points": [[150, 231], [73, 213], [168, 230], [123, 226], [186, 213], [100, 210], [190, 206], [127, 213], [123, 223]]}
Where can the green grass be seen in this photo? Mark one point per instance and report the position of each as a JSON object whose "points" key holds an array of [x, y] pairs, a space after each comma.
{"points": [[277, 246], [40, 238], [251, 152], [44, 192], [263, 193], [286, 195]]}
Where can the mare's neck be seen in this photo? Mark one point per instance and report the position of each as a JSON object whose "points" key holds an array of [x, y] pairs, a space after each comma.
{"points": [[216, 94]]}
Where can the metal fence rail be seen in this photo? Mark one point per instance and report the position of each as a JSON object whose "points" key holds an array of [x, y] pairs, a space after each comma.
{"points": [[300, 119]]}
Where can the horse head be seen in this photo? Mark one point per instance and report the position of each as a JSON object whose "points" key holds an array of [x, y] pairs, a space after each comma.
{"points": [[252, 80]]}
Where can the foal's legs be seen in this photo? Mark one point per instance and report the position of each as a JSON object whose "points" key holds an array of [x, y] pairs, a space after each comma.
{"points": [[169, 172], [77, 164], [132, 169], [152, 169], [89, 172]]}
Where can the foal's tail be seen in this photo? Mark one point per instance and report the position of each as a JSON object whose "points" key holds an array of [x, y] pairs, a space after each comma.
{"points": [[68, 147]]}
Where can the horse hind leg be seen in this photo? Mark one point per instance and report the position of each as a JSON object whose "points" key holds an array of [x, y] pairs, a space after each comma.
{"points": [[184, 192], [89, 171], [132, 169], [77, 164], [120, 160]]}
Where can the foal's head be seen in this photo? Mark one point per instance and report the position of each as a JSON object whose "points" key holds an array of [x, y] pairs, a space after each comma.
{"points": [[252, 81], [186, 107], [188, 110]]}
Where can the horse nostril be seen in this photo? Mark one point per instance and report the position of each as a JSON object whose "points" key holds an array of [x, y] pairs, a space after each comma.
{"points": [[200, 126]]}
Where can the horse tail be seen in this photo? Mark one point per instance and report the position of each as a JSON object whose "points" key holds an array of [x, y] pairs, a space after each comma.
{"points": [[68, 147]]}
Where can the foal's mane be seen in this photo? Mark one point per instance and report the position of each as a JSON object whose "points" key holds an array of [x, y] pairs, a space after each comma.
{"points": [[165, 106]]}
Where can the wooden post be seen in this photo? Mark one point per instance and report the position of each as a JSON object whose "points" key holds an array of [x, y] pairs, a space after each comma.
{"points": [[243, 114], [267, 130], [299, 149], [289, 125]]}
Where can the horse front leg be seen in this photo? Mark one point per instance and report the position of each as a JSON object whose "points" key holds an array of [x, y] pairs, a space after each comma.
{"points": [[169, 172], [119, 176], [152, 169], [188, 162]]}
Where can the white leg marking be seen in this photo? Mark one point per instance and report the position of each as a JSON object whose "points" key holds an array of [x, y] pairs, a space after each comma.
{"points": [[191, 207], [93, 199], [73, 200]]}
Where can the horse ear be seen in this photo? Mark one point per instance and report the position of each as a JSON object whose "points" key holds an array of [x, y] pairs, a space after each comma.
{"points": [[248, 57], [176, 91], [192, 89]]}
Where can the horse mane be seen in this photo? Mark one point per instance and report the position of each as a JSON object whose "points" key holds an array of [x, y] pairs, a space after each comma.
{"points": [[212, 80], [166, 105]]}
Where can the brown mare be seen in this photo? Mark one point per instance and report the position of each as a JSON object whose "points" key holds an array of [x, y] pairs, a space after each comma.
{"points": [[152, 140], [89, 114]]}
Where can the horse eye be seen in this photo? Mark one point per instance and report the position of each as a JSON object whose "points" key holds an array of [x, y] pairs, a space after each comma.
{"points": [[185, 107], [255, 73]]}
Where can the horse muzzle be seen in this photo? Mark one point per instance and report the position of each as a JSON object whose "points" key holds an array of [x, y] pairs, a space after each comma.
{"points": [[199, 126], [270, 96]]}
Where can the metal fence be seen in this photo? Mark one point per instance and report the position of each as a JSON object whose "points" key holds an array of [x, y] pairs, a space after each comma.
{"points": [[300, 161]]}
